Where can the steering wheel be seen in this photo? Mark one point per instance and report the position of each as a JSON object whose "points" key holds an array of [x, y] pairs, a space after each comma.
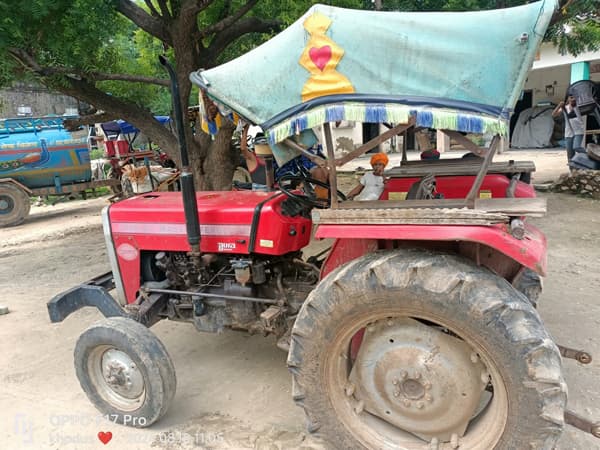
{"points": [[302, 189]]}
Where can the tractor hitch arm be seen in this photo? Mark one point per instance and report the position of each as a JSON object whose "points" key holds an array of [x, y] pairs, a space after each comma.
{"points": [[582, 423], [579, 355]]}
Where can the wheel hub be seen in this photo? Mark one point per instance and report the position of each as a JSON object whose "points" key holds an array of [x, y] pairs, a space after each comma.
{"points": [[418, 378], [121, 374], [5, 204]]}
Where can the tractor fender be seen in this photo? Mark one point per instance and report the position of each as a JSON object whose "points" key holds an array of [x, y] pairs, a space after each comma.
{"points": [[355, 240], [16, 183]]}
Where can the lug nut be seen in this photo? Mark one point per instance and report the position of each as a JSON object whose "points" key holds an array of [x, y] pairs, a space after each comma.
{"points": [[485, 377], [360, 406], [474, 357], [350, 390], [454, 441], [420, 405], [404, 374], [395, 381], [406, 402]]}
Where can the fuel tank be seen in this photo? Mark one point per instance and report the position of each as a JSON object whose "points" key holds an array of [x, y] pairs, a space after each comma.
{"points": [[240, 222]]}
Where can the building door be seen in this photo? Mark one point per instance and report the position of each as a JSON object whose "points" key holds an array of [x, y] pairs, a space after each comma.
{"points": [[525, 102]]}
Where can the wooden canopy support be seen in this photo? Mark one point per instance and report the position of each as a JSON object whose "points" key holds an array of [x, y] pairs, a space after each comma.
{"points": [[486, 211], [465, 142], [331, 165], [487, 160], [375, 142], [407, 216], [316, 159], [456, 167]]}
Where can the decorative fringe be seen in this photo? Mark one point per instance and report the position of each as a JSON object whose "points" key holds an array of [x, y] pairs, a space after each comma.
{"points": [[391, 112]]}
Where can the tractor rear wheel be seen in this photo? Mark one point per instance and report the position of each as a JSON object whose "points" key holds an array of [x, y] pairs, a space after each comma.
{"points": [[125, 371], [14, 205], [412, 349]]}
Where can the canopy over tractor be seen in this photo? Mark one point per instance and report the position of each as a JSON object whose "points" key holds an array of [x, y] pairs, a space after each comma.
{"points": [[454, 71]]}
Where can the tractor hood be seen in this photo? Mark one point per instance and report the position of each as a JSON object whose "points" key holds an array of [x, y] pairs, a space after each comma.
{"points": [[238, 222]]}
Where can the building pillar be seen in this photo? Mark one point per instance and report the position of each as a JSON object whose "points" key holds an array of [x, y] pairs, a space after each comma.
{"points": [[580, 71], [442, 141]]}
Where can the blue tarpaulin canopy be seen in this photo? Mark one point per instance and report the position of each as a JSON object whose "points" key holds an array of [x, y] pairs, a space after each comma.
{"points": [[113, 128], [459, 71]]}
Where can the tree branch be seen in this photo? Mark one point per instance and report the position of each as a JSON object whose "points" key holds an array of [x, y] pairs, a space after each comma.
{"points": [[244, 26], [164, 9], [194, 7], [151, 25], [228, 21], [151, 7], [31, 64], [74, 124], [99, 76]]}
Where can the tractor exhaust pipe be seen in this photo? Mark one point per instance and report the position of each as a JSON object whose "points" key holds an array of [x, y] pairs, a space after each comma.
{"points": [[190, 205]]}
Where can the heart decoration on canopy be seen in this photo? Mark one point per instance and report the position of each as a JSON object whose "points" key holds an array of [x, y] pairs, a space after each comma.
{"points": [[320, 56]]}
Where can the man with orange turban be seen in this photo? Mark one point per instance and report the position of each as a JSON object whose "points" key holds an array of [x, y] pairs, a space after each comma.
{"points": [[371, 184]]}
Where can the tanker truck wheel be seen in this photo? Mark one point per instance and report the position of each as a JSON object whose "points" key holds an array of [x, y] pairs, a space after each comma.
{"points": [[14, 205], [125, 371], [420, 350]]}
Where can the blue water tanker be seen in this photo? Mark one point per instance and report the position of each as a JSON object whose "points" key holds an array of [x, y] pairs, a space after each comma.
{"points": [[38, 156]]}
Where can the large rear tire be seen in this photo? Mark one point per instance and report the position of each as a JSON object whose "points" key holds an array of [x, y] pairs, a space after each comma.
{"points": [[125, 371], [14, 205], [482, 329]]}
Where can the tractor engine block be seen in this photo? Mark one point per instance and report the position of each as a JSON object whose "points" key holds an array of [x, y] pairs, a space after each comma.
{"points": [[254, 293]]}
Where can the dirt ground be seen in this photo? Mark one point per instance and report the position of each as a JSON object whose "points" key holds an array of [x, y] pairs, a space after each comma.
{"points": [[234, 390]]}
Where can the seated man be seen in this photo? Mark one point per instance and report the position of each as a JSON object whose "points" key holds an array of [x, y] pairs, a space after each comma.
{"points": [[371, 184], [301, 165]]}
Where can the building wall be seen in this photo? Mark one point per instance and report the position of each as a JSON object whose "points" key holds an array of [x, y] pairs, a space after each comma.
{"points": [[41, 101], [550, 75]]}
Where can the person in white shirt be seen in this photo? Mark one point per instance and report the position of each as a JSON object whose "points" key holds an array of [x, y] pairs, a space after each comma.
{"points": [[371, 184], [574, 129]]}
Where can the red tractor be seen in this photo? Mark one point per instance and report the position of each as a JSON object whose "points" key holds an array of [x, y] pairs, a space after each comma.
{"points": [[417, 327]]}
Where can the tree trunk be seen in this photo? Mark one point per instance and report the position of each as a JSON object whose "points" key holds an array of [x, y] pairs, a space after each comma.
{"points": [[221, 161]]}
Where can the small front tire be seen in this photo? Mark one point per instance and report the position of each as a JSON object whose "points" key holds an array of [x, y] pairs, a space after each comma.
{"points": [[125, 371]]}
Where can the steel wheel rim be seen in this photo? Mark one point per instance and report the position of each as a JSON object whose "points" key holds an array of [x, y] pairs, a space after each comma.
{"points": [[484, 431], [7, 204], [126, 390]]}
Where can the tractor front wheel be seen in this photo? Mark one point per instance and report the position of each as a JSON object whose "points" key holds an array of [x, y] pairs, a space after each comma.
{"points": [[412, 349], [125, 371]]}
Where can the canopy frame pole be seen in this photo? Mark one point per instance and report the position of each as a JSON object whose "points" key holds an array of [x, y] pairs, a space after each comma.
{"points": [[316, 159], [487, 160], [331, 166], [466, 142], [375, 141]]}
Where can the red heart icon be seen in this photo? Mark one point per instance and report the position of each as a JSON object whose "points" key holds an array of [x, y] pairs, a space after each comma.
{"points": [[320, 56], [105, 437]]}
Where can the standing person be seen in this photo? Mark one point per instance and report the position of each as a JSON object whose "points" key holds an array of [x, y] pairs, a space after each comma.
{"points": [[574, 129], [256, 166], [371, 184]]}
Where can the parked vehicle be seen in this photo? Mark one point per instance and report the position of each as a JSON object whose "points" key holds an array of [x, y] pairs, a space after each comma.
{"points": [[417, 329], [39, 157]]}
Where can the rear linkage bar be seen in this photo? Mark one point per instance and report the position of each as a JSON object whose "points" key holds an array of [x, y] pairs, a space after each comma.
{"points": [[572, 418]]}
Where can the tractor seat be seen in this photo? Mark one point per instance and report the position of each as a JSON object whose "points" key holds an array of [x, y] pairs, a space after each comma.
{"points": [[423, 189]]}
